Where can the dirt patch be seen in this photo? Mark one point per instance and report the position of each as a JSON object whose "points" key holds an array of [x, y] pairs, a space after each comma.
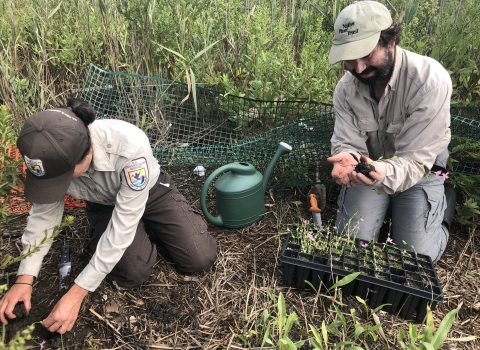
{"points": [[224, 305]]}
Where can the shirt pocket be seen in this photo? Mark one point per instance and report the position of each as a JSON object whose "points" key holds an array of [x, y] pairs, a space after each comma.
{"points": [[77, 192], [369, 127], [367, 124], [392, 131], [394, 128]]}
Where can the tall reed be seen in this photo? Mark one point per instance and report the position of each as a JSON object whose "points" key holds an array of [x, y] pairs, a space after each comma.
{"points": [[267, 49]]}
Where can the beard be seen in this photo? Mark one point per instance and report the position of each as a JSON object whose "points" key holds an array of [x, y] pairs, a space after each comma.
{"points": [[382, 71]]}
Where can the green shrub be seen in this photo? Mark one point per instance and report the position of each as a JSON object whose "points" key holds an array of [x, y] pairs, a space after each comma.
{"points": [[11, 175]]}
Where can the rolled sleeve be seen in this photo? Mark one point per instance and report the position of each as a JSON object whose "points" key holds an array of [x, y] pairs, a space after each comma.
{"points": [[425, 135]]}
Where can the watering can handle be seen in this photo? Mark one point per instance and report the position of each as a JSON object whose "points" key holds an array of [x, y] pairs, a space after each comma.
{"points": [[236, 167]]}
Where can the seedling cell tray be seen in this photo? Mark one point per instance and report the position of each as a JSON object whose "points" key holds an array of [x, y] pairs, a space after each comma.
{"points": [[406, 281]]}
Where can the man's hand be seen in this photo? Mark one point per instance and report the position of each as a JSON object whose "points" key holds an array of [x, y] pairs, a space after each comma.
{"points": [[20, 292], [343, 165], [360, 179], [65, 313]]}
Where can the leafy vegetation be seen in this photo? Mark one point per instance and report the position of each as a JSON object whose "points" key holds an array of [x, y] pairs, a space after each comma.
{"points": [[19, 339], [428, 338], [17, 342], [448, 32], [264, 49], [47, 239], [11, 175], [464, 153], [270, 50], [281, 329]]}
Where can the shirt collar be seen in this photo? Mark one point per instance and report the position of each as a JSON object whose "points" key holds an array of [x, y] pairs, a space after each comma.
{"points": [[396, 68], [100, 160]]}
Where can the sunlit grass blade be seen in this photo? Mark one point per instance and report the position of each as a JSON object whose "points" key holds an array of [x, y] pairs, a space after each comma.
{"points": [[345, 280]]}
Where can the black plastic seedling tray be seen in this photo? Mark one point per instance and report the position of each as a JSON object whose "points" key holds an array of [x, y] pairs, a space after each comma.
{"points": [[406, 281]]}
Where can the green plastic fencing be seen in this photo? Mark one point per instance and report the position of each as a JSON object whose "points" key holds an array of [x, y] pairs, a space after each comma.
{"points": [[226, 128], [223, 129], [466, 124], [471, 112]]}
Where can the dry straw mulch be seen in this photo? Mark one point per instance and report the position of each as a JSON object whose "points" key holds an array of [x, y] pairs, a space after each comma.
{"points": [[213, 309]]}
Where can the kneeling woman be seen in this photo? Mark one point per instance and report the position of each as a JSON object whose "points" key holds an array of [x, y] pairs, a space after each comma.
{"points": [[109, 164]]}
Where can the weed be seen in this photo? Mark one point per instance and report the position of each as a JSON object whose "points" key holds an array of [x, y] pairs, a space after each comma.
{"points": [[19, 339], [428, 338], [346, 329], [11, 175]]}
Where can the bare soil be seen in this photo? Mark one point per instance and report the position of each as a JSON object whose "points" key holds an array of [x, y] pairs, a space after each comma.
{"points": [[215, 309], [365, 169]]}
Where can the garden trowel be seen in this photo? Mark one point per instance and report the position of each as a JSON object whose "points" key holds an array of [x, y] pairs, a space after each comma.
{"points": [[317, 202], [64, 268]]}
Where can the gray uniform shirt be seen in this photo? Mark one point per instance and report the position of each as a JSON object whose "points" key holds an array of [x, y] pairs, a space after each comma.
{"points": [[122, 171], [411, 121]]}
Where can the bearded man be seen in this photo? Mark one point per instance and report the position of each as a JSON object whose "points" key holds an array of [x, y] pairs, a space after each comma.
{"points": [[392, 111]]}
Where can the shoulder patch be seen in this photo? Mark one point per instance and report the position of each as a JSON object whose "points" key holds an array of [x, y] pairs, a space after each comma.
{"points": [[35, 166], [136, 174]]}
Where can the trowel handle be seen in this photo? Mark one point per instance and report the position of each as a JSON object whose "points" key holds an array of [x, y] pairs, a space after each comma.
{"points": [[236, 167], [314, 204]]}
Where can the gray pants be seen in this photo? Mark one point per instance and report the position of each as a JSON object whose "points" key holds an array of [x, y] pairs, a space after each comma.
{"points": [[169, 217], [417, 216]]}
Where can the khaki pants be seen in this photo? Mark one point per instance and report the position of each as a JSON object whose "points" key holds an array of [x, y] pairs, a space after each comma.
{"points": [[168, 217]]}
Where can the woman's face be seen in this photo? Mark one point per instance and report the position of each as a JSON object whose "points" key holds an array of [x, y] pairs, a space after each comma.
{"points": [[83, 166]]}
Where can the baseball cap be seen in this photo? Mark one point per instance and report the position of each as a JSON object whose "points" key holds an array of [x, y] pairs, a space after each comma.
{"points": [[51, 142], [357, 30]]}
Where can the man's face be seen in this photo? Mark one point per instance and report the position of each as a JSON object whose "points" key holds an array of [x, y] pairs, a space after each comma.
{"points": [[375, 67]]}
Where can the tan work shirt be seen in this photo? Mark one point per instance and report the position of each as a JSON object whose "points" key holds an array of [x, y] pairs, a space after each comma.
{"points": [[411, 121], [122, 171]]}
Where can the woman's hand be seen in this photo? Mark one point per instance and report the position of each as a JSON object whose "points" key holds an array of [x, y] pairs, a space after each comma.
{"points": [[21, 291], [65, 312]]}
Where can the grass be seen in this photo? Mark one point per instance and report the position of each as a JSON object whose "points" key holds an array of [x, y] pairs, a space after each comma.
{"points": [[269, 49]]}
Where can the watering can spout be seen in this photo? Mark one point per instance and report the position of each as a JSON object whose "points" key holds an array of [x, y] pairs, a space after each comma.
{"points": [[282, 149]]}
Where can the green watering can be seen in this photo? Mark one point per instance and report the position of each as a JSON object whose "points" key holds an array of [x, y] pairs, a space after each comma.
{"points": [[239, 192]]}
